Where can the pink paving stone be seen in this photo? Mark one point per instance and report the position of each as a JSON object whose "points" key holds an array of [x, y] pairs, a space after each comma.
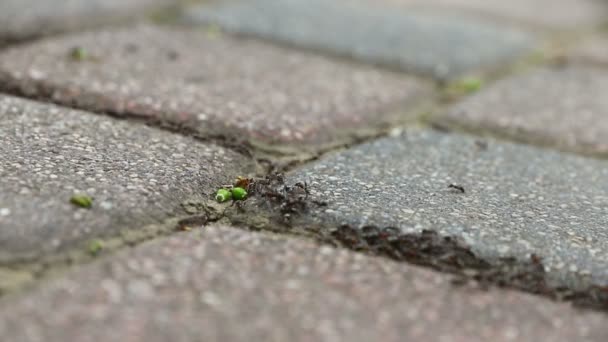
{"points": [[214, 85], [224, 284], [563, 14], [560, 107]]}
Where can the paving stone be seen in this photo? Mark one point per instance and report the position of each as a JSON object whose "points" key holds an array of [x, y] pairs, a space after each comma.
{"points": [[593, 51], [22, 19], [569, 14], [518, 200], [563, 107], [223, 284], [214, 85], [437, 44], [136, 175]]}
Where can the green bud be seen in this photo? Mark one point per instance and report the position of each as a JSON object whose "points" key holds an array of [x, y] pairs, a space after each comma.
{"points": [[82, 201], [223, 195], [239, 193]]}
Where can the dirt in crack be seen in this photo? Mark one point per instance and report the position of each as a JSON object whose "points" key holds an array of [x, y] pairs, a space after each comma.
{"points": [[446, 254], [276, 195], [288, 205]]}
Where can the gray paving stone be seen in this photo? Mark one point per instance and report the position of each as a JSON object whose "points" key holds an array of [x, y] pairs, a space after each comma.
{"points": [[22, 19], [241, 89], [426, 42], [567, 15], [135, 174], [563, 107], [222, 284], [518, 200]]}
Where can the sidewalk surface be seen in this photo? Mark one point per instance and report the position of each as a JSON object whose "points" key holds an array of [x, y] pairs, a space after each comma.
{"points": [[421, 170]]}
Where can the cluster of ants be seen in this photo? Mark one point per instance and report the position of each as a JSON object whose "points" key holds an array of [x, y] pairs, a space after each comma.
{"points": [[289, 199]]}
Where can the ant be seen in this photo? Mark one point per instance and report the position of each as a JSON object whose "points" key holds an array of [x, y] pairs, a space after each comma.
{"points": [[289, 199], [456, 187]]}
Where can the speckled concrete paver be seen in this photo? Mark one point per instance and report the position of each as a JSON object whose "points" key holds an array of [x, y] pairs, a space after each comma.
{"points": [[518, 200], [564, 107], [426, 42], [223, 284], [135, 174], [288, 80], [22, 19], [567, 15], [215, 85]]}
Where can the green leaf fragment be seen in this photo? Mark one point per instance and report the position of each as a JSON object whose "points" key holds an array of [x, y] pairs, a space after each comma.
{"points": [[83, 201], [239, 193], [223, 195]]}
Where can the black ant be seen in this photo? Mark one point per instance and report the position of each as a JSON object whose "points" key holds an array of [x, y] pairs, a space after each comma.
{"points": [[457, 187]]}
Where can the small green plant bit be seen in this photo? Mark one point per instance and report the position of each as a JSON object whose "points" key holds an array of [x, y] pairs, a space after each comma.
{"points": [[470, 85], [78, 54], [239, 194], [95, 246], [83, 201], [223, 195]]}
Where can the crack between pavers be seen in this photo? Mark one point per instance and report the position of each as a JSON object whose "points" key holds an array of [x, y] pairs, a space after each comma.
{"points": [[533, 139], [445, 254], [44, 92], [21, 274], [349, 58], [455, 259], [548, 41], [270, 157], [290, 159], [7, 42], [24, 273], [437, 120]]}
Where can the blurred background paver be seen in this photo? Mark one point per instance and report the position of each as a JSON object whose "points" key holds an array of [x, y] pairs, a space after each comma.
{"points": [[593, 50], [565, 15], [426, 42], [215, 85], [136, 175], [518, 200], [562, 107], [223, 284], [24, 19]]}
